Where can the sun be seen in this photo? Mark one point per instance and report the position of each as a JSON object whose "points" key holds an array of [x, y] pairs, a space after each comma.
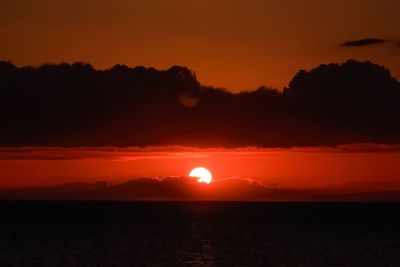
{"points": [[203, 175]]}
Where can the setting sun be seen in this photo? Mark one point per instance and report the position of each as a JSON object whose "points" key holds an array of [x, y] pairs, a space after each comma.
{"points": [[203, 174]]}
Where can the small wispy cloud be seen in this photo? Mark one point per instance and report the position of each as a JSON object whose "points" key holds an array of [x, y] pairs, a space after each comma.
{"points": [[363, 42]]}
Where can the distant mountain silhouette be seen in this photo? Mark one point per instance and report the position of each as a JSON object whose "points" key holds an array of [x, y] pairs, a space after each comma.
{"points": [[76, 105], [186, 189]]}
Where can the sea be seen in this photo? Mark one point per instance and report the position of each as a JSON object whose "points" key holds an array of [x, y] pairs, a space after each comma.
{"points": [[199, 234]]}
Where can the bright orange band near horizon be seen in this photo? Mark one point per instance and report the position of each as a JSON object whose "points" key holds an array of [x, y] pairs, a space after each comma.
{"points": [[350, 168]]}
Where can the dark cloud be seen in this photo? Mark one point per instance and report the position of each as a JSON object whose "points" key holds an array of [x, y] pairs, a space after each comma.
{"points": [[76, 105], [185, 189], [363, 42]]}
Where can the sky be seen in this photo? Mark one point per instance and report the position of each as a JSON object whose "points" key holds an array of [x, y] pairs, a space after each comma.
{"points": [[350, 168], [331, 128], [239, 45], [334, 130]]}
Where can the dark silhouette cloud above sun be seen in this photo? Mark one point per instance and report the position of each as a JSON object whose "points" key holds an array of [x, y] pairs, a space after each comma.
{"points": [[77, 105]]}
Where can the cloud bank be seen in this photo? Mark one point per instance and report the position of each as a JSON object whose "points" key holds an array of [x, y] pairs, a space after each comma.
{"points": [[78, 106]]}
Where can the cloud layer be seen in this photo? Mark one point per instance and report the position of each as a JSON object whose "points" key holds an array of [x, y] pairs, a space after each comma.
{"points": [[177, 152], [76, 105]]}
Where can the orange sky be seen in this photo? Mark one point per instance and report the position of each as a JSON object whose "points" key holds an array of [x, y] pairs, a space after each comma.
{"points": [[362, 168], [235, 44], [239, 45]]}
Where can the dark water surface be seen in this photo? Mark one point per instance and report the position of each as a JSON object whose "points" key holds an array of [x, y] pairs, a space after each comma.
{"points": [[199, 234]]}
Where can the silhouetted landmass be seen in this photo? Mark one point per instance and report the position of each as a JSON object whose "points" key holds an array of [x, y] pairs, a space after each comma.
{"points": [[76, 105], [364, 42], [186, 189]]}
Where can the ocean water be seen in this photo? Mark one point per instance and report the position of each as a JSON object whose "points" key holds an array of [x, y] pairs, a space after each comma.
{"points": [[199, 234]]}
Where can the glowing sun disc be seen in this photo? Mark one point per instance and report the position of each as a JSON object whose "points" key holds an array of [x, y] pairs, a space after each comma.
{"points": [[203, 175]]}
